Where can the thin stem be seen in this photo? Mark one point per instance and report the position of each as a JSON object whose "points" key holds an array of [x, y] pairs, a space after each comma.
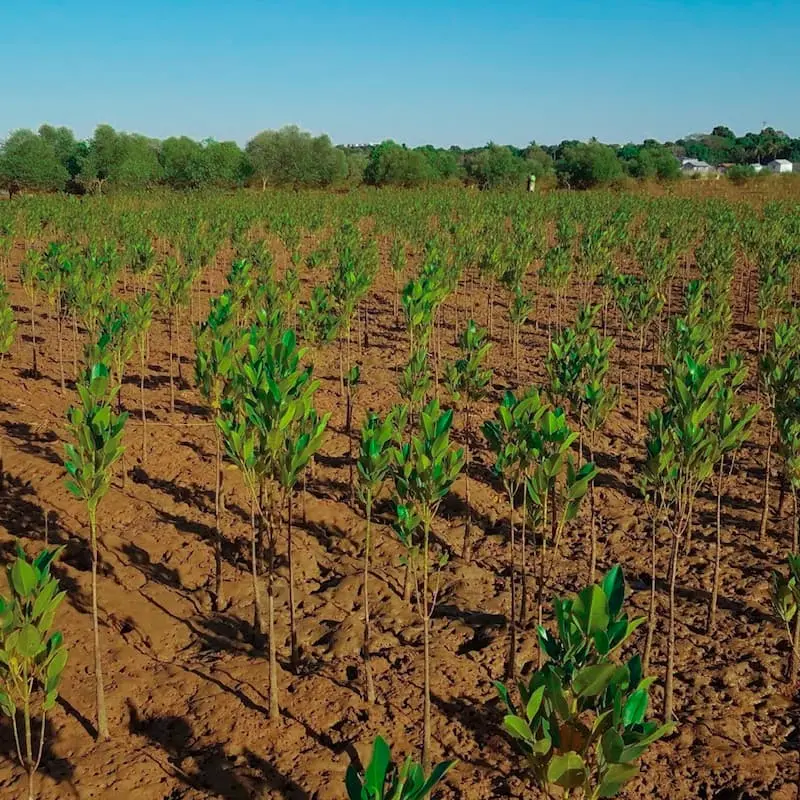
{"points": [[370, 684], [102, 721], [426, 622]]}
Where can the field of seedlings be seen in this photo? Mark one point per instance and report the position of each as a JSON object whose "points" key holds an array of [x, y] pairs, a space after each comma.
{"points": [[500, 488]]}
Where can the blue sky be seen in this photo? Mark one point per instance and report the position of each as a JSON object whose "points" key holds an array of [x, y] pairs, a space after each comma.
{"points": [[436, 72]]}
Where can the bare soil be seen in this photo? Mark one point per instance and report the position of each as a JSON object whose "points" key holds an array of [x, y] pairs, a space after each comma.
{"points": [[187, 691]]}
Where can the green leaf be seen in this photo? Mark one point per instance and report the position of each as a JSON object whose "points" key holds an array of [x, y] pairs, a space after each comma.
{"points": [[593, 680], [352, 783], [23, 578], [375, 775], [43, 599], [439, 771], [56, 667], [615, 778], [591, 608], [518, 728], [504, 695], [614, 588], [534, 703], [50, 700], [567, 770], [29, 641], [635, 708], [612, 745]]}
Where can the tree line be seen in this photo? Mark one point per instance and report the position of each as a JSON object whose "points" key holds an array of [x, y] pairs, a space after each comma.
{"points": [[53, 159]]}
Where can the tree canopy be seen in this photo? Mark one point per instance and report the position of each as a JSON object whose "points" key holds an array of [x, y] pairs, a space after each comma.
{"points": [[291, 157], [52, 159], [585, 165], [29, 161]]}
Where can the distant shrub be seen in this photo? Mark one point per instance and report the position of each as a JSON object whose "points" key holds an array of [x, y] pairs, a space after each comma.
{"points": [[739, 173]]}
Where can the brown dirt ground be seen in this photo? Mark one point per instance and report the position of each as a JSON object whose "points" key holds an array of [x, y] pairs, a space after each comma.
{"points": [[187, 692]]}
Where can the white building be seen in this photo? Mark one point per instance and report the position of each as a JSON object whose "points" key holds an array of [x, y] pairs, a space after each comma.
{"points": [[693, 166], [756, 167], [780, 166]]}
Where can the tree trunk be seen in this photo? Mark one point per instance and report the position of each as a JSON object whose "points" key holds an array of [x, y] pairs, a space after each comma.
{"points": [[35, 354], [426, 622], [274, 708], [712, 609], [370, 684], [295, 655], [795, 521], [690, 525], [102, 720], [144, 408], [171, 376], [669, 684], [219, 597], [258, 625], [523, 602], [794, 658], [651, 615], [511, 661], [178, 342], [639, 384], [74, 346], [765, 507], [592, 534], [465, 550], [61, 352], [348, 429]]}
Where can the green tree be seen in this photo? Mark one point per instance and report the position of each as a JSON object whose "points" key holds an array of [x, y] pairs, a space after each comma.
{"points": [[184, 163], [494, 166], [654, 161], [138, 166], [291, 157], [226, 162], [103, 158], [392, 164], [29, 162], [68, 151], [585, 165]]}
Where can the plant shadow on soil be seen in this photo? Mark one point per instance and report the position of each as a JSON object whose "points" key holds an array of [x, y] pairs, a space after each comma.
{"points": [[60, 770], [216, 772]]}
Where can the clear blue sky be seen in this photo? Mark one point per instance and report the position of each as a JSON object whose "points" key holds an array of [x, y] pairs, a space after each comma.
{"points": [[419, 72]]}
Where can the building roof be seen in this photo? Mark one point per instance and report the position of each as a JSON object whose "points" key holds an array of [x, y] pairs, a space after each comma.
{"points": [[782, 162], [695, 163]]}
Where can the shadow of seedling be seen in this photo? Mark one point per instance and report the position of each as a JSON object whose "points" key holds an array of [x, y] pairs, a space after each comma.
{"points": [[56, 768], [216, 773]]}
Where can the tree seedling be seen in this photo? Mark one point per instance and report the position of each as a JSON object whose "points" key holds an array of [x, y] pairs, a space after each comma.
{"points": [[468, 381], [173, 293], [730, 431], [96, 432], [581, 723], [32, 657], [215, 350], [425, 469], [383, 780], [554, 489], [31, 275], [374, 462], [141, 320], [8, 325], [785, 594], [511, 436]]}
